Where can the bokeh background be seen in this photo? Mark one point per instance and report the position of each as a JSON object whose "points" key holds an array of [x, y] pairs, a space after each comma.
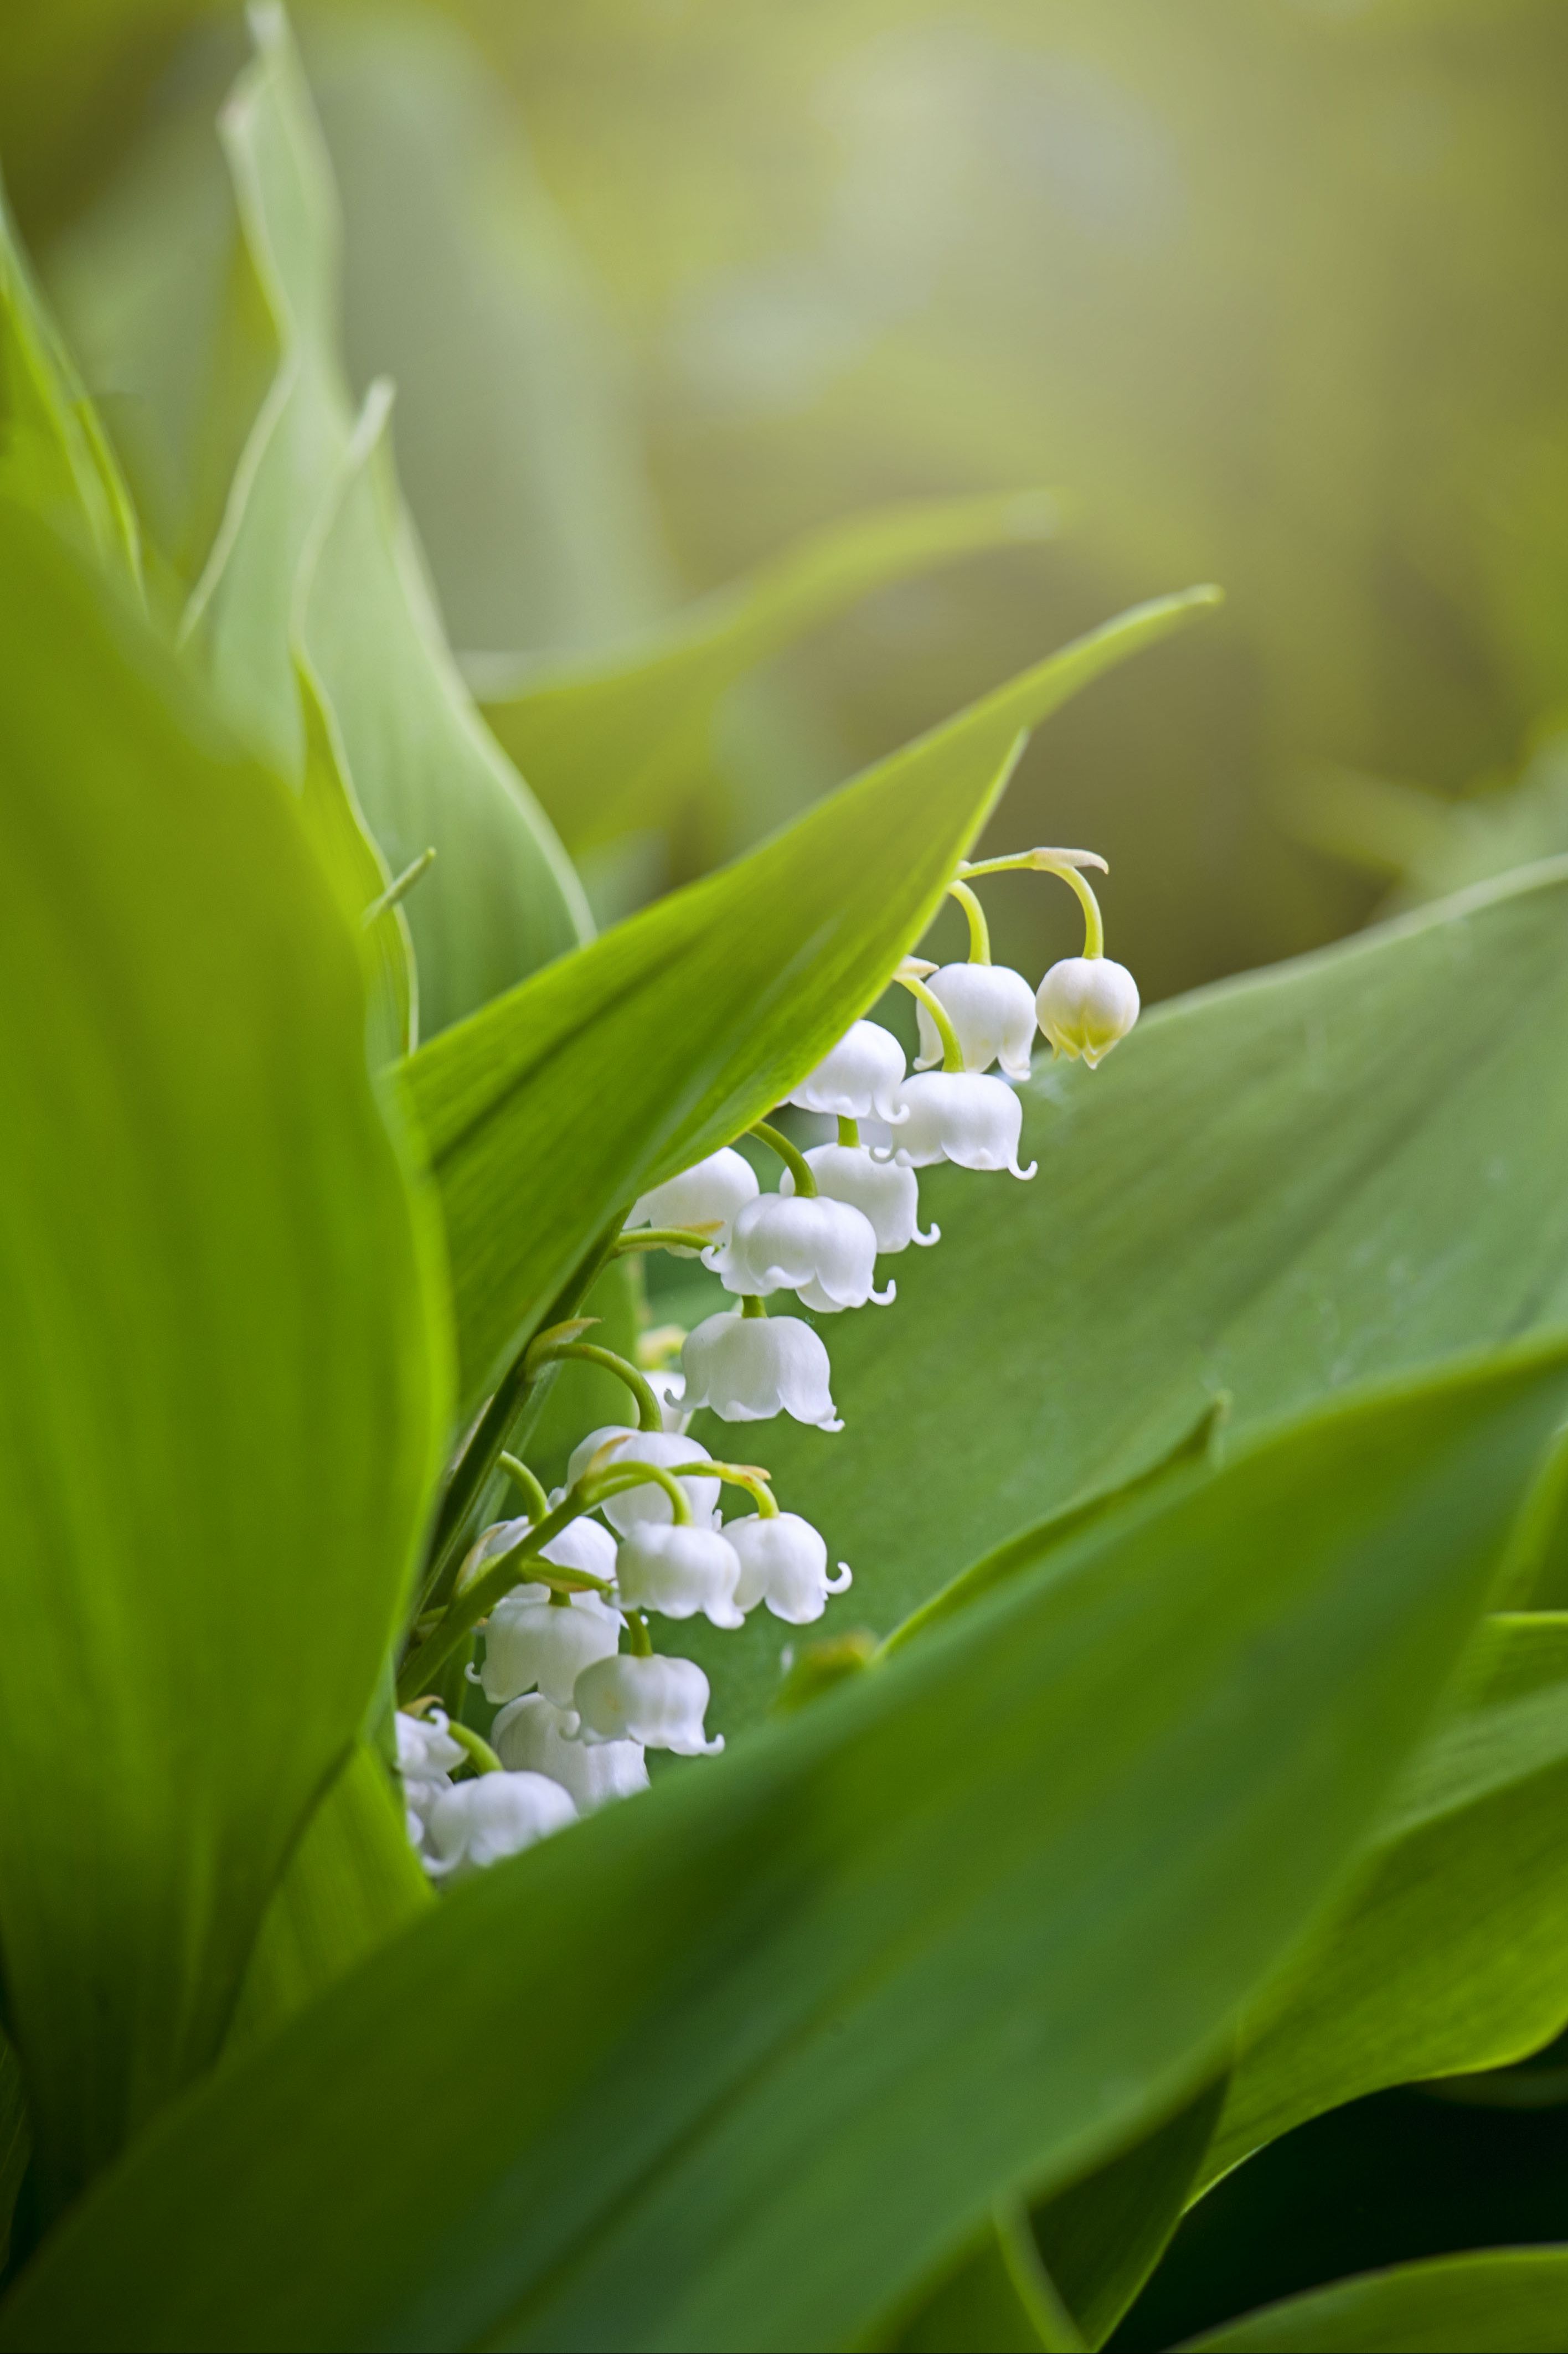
{"points": [[1272, 292]]}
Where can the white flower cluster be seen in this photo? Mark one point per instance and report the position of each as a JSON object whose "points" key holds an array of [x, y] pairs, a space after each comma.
{"points": [[577, 1711]]}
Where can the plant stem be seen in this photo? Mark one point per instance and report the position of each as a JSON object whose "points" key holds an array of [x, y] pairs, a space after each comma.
{"points": [[952, 1053], [1067, 863], [666, 1238], [792, 1157], [484, 1757], [400, 887], [533, 1491], [849, 1130], [980, 931], [588, 1353]]}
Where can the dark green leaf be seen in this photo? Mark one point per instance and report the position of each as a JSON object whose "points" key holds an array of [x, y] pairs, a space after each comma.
{"points": [[222, 1398], [617, 740], [689, 2055], [679, 1028], [1001, 2300], [1504, 2301]]}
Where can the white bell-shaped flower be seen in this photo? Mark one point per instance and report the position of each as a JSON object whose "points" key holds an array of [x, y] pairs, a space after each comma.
{"points": [[545, 1645], [784, 1563], [882, 1191], [582, 1544], [963, 1116], [531, 1736], [821, 1248], [658, 1702], [991, 1010], [679, 1572], [669, 1388], [427, 1758], [495, 1815], [746, 1368], [859, 1078], [648, 1502], [714, 1189], [490, 1544], [1085, 1004]]}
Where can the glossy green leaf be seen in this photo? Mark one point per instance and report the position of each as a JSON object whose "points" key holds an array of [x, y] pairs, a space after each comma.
{"points": [[1502, 2301], [1334, 1169], [679, 1028], [222, 1398], [317, 556], [1017, 1880], [1001, 2300], [53, 456], [1452, 1955], [351, 1882], [614, 741]]}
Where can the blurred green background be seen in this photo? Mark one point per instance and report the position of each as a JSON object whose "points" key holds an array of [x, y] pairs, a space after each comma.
{"points": [[1273, 291]]}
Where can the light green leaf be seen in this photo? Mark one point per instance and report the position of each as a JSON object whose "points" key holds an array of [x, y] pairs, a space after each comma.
{"points": [[691, 2051], [317, 557], [53, 456], [357, 873], [222, 1400], [351, 1882], [681, 1026], [1329, 1171], [1452, 1954], [1503, 2301], [617, 740]]}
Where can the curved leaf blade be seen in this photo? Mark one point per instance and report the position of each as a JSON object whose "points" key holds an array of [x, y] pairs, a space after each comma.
{"points": [[679, 1028], [691, 2051], [1502, 2301]]}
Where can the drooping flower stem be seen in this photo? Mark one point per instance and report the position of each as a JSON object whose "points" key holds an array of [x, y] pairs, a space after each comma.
{"points": [[749, 1476], [481, 1756], [849, 1131], [952, 1053], [533, 1495], [1069, 865], [753, 1305], [644, 1238], [792, 1157], [980, 931], [588, 1353], [639, 1642]]}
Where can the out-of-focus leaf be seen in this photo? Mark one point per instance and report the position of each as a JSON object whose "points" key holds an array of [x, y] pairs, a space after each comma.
{"points": [[1452, 1954], [53, 456], [16, 2140], [1001, 2300], [691, 2052], [316, 554], [359, 879], [223, 1394], [1330, 1169], [615, 741], [352, 1881], [1101, 2238], [683, 1026], [1502, 2301]]}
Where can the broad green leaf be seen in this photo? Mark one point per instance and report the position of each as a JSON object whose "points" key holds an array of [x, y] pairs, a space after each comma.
{"points": [[1018, 1880], [1452, 1954], [679, 1028], [352, 1881], [358, 876], [16, 2140], [1502, 2301], [317, 557], [1001, 2300], [1335, 1169], [616, 740], [53, 456], [222, 1397]]}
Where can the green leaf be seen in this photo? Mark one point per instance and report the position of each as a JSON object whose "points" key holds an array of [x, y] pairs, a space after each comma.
{"points": [[679, 1028], [318, 557], [1452, 1954], [1327, 1172], [53, 456], [358, 876], [15, 2141], [616, 740], [1001, 2300], [1503, 2301], [221, 1404], [351, 1882], [1017, 1880]]}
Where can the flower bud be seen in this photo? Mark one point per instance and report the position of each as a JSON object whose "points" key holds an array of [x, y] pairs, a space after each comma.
{"points": [[859, 1078], [546, 1644], [823, 1249], [648, 1502], [660, 1702], [990, 1008], [746, 1368], [960, 1115], [714, 1189], [1085, 1004], [784, 1563], [495, 1815], [882, 1191], [679, 1571], [530, 1736]]}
